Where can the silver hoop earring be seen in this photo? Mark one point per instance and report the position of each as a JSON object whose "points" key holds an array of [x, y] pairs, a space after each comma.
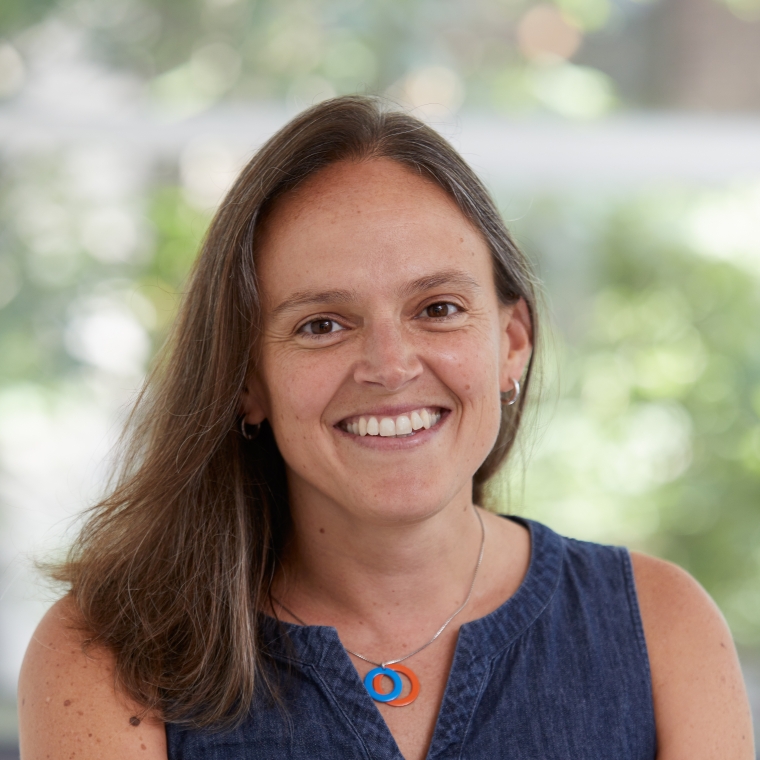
{"points": [[249, 436], [508, 398]]}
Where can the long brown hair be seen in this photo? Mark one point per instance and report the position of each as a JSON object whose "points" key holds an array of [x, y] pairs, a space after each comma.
{"points": [[173, 569]]}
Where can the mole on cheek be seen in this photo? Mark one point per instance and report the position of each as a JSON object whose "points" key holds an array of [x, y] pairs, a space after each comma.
{"points": [[67, 703], [134, 721]]}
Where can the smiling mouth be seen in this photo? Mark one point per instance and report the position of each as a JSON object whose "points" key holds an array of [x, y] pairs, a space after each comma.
{"points": [[393, 427]]}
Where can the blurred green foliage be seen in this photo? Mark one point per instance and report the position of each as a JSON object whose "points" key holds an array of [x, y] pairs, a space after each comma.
{"points": [[47, 273], [650, 418], [651, 410], [178, 233], [16, 15], [514, 56], [481, 54]]}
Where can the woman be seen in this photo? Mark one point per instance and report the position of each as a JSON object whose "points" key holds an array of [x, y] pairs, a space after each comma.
{"points": [[295, 562]]}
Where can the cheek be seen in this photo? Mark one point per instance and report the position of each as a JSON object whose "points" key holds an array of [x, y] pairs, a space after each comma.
{"points": [[471, 371], [299, 391], [470, 368]]}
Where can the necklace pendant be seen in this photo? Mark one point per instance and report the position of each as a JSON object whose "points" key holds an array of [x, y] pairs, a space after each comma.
{"points": [[373, 681]]}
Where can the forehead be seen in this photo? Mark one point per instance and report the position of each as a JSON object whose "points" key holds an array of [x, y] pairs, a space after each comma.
{"points": [[357, 223]]}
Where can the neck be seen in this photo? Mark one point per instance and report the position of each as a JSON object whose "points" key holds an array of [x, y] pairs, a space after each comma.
{"points": [[341, 568]]}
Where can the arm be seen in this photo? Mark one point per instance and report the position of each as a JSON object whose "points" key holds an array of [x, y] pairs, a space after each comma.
{"points": [[700, 703], [67, 703]]}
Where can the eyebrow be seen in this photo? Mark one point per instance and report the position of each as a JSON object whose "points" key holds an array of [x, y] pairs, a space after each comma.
{"points": [[317, 298], [313, 298], [445, 277]]}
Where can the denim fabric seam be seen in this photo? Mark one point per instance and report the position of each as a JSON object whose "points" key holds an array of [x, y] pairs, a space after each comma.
{"points": [[336, 703], [294, 660], [577, 598], [499, 652], [302, 663], [633, 600], [581, 542], [483, 683], [339, 706], [638, 625]]}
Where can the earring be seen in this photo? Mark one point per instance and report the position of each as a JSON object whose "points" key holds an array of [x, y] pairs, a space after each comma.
{"points": [[508, 398], [249, 436]]}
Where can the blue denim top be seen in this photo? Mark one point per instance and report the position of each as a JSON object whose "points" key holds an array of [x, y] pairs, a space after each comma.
{"points": [[559, 671]]}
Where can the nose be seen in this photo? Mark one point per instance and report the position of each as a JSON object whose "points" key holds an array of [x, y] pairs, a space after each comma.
{"points": [[389, 359]]}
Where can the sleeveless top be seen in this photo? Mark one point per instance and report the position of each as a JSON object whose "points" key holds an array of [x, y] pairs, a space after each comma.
{"points": [[558, 672]]}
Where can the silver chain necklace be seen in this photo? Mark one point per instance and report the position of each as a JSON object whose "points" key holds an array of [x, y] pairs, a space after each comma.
{"points": [[374, 677]]}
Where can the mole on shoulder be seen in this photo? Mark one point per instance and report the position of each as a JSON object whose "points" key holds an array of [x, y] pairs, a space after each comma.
{"points": [[134, 721]]}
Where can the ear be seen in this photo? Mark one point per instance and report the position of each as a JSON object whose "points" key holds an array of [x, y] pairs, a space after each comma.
{"points": [[516, 331], [252, 402]]}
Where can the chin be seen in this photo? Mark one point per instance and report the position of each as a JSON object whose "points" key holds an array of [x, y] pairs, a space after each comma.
{"points": [[403, 504]]}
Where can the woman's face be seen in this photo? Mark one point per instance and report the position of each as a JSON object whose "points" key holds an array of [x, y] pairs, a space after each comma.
{"points": [[381, 316]]}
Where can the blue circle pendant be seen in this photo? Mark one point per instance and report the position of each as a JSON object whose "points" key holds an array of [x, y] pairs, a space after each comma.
{"points": [[373, 680], [376, 695]]}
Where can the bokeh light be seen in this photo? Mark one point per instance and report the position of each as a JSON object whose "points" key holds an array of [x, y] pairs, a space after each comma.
{"points": [[621, 139]]}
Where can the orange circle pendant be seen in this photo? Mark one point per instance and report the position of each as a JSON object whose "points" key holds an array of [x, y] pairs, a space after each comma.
{"points": [[399, 701]]}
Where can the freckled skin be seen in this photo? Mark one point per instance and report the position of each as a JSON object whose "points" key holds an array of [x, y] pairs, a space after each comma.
{"points": [[386, 354], [57, 675], [408, 229], [396, 532], [387, 509]]}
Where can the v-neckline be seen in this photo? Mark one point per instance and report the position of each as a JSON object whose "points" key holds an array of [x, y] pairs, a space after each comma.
{"points": [[319, 649]]}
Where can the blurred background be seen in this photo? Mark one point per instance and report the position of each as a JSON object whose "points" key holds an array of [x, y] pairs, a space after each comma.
{"points": [[621, 139]]}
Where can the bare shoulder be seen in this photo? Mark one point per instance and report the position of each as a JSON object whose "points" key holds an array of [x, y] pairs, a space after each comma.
{"points": [[68, 706], [701, 705]]}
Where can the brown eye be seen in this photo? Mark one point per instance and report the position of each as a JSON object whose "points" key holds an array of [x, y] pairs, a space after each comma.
{"points": [[321, 327], [438, 310]]}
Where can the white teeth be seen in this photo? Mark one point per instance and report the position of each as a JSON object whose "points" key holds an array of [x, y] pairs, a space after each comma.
{"points": [[388, 427], [403, 425]]}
